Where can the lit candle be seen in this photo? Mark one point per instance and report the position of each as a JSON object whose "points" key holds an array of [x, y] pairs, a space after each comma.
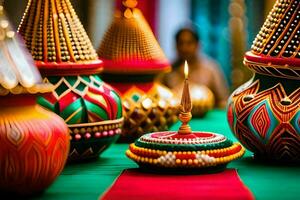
{"points": [[186, 98], [185, 105]]}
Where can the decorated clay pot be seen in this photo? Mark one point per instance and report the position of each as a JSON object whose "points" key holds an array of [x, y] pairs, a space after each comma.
{"points": [[92, 110], [34, 143], [148, 107], [132, 60], [264, 113], [67, 59]]}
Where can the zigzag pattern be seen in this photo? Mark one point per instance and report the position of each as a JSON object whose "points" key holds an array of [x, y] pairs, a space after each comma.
{"points": [[267, 122], [279, 35], [82, 100], [285, 143]]}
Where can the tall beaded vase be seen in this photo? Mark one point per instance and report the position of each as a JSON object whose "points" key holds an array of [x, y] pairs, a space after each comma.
{"points": [[264, 113], [34, 145], [132, 60], [66, 58]]}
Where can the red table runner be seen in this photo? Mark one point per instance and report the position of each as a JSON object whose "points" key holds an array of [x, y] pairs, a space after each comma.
{"points": [[136, 185]]}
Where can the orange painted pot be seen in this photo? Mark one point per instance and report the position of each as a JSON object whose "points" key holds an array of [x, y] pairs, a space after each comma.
{"points": [[34, 145]]}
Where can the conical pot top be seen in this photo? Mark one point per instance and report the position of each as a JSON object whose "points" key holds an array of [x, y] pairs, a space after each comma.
{"points": [[275, 50], [57, 40], [129, 45]]}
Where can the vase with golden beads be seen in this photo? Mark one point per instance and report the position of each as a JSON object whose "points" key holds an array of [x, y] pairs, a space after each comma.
{"points": [[66, 58], [264, 113], [132, 61]]}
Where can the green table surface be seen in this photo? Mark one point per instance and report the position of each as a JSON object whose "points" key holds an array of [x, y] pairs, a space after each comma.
{"points": [[90, 180]]}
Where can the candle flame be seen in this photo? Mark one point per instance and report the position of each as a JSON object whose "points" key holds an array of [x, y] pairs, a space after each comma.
{"points": [[186, 69]]}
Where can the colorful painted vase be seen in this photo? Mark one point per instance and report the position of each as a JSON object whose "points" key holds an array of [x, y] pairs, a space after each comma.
{"points": [[264, 113], [34, 143], [133, 59], [67, 59]]}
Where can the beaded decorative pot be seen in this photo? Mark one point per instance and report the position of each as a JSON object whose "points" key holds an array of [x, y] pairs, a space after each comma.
{"points": [[195, 151], [264, 113], [67, 59], [133, 58], [148, 107], [34, 143]]}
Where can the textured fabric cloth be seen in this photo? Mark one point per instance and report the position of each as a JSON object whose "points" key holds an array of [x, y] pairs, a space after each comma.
{"points": [[136, 185]]}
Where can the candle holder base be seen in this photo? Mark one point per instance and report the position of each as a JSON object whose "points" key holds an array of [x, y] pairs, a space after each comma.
{"points": [[172, 150]]}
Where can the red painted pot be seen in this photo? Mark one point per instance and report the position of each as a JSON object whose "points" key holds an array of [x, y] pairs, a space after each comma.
{"points": [[34, 145]]}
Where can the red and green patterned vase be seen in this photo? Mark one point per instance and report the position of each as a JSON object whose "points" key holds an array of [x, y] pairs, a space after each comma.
{"points": [[34, 143], [132, 60], [92, 110], [67, 59], [264, 113]]}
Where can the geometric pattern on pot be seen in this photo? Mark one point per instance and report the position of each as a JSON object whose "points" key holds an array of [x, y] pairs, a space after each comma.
{"points": [[92, 110], [274, 53], [262, 121], [34, 147], [82, 99], [267, 122], [296, 122], [66, 58], [290, 72], [154, 110]]}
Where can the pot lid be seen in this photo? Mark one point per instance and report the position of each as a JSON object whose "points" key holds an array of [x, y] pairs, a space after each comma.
{"points": [[275, 50], [57, 40], [129, 45]]}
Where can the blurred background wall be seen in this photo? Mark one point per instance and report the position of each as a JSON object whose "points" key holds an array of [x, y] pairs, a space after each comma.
{"points": [[226, 27]]}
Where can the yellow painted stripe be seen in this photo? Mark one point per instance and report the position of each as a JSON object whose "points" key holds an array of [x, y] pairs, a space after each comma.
{"points": [[73, 114]]}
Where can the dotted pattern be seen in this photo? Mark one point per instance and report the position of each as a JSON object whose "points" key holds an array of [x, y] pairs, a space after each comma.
{"points": [[279, 36], [184, 159], [130, 39], [54, 33]]}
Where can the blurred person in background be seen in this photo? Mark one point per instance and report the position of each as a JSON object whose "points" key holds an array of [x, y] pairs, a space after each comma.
{"points": [[202, 70]]}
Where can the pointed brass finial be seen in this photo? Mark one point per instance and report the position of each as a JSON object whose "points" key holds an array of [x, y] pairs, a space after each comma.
{"points": [[130, 5], [186, 105]]}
